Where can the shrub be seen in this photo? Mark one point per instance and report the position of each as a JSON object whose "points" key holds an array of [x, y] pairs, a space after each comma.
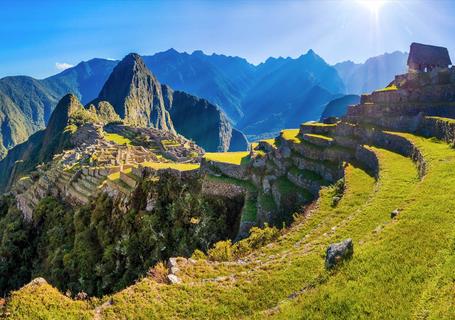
{"points": [[159, 272], [258, 238], [198, 255], [225, 250], [222, 251]]}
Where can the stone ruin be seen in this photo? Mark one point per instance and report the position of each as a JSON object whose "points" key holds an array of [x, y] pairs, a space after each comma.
{"points": [[425, 58], [80, 173]]}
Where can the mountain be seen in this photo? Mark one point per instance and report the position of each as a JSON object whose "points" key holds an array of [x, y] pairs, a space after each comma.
{"points": [[42, 145], [203, 122], [140, 100], [259, 100], [374, 74], [287, 92], [25, 106], [220, 79], [85, 80], [339, 106], [136, 95]]}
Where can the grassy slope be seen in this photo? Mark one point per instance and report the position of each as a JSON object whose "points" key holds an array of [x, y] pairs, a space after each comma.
{"points": [[46, 302], [401, 268]]}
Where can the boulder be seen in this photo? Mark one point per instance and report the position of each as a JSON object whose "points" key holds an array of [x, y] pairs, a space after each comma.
{"points": [[337, 252]]}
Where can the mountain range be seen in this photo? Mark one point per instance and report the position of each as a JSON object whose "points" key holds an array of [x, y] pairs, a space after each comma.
{"points": [[258, 100]]}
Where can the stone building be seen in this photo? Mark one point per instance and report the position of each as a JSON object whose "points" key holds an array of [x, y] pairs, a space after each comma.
{"points": [[424, 58]]}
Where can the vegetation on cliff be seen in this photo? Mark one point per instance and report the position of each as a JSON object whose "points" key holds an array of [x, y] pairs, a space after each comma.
{"points": [[100, 249]]}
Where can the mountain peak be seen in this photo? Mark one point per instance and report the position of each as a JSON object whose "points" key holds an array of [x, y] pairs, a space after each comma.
{"points": [[135, 94], [66, 107]]}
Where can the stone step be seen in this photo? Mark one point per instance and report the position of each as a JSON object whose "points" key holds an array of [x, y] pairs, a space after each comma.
{"points": [[128, 179], [84, 181], [76, 195], [317, 139], [81, 189], [31, 198], [330, 171], [307, 180], [317, 128]]}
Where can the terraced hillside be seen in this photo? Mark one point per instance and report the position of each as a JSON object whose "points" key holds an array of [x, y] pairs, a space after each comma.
{"points": [[402, 267], [381, 178]]}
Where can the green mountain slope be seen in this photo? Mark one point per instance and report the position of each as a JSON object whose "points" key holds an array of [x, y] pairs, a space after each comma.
{"points": [[339, 106]]}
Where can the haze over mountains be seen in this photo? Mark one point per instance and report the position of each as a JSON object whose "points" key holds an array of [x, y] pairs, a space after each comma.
{"points": [[259, 100]]}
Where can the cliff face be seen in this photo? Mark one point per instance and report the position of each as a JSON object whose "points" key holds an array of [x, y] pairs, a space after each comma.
{"points": [[136, 95], [201, 121]]}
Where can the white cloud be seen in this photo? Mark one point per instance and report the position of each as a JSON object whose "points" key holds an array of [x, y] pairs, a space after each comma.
{"points": [[63, 65]]}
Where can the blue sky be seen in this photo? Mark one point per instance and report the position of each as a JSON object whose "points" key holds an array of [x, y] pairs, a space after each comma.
{"points": [[39, 37]]}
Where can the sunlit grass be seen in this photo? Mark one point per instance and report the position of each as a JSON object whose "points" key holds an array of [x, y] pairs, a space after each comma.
{"points": [[171, 165], [116, 138], [389, 88], [241, 157], [291, 135]]}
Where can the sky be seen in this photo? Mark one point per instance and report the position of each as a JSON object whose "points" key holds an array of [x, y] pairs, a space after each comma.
{"points": [[42, 38]]}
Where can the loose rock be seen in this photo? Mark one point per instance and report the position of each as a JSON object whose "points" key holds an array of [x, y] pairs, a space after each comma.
{"points": [[173, 279], [338, 252], [394, 213]]}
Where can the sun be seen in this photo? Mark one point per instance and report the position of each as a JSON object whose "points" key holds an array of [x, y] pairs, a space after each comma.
{"points": [[373, 5]]}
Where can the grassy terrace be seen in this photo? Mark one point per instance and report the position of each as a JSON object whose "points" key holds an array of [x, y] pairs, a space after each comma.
{"points": [[116, 138], [389, 88], [291, 135], [402, 268], [172, 165], [448, 120], [241, 157]]}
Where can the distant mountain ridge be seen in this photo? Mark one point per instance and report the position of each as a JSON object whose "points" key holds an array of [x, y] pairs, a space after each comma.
{"points": [[374, 74], [232, 83]]}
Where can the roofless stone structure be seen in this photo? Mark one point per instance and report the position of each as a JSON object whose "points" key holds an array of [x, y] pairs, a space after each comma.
{"points": [[423, 57]]}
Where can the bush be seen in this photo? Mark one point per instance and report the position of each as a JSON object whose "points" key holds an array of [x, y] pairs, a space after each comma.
{"points": [[222, 251], [159, 272], [258, 238], [198, 255], [225, 250]]}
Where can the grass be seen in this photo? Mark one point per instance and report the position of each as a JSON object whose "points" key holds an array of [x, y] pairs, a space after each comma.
{"points": [[172, 165], [45, 302], [239, 158], [307, 174], [402, 268], [318, 136], [291, 135], [319, 124], [448, 120], [116, 138], [249, 211], [389, 88], [247, 185]]}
